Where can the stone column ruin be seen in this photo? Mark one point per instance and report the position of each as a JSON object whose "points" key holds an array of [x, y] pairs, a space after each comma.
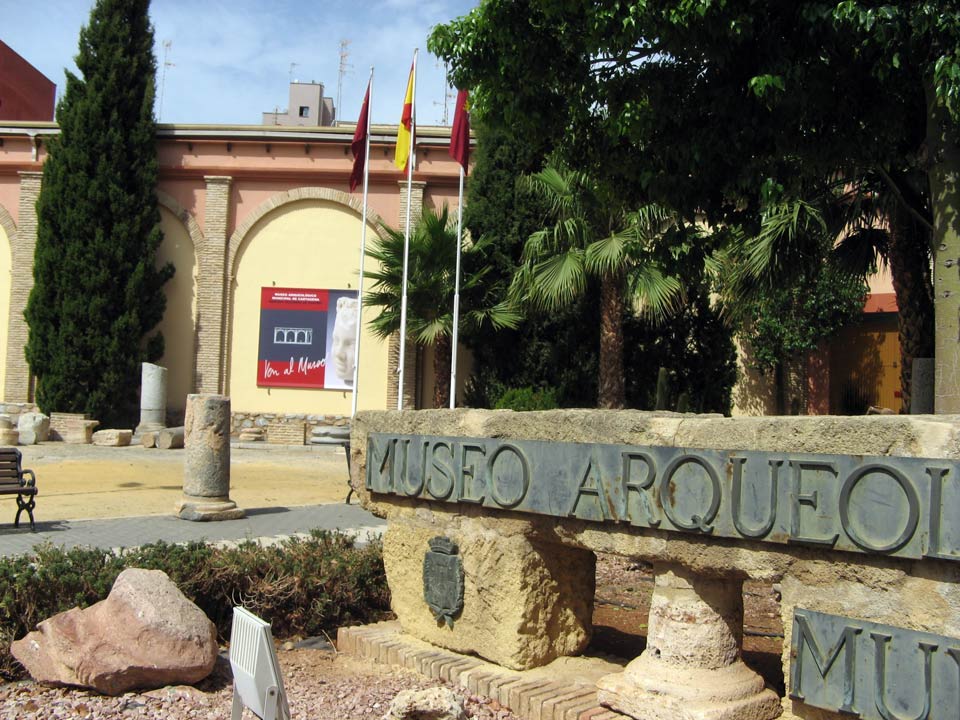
{"points": [[153, 398], [691, 668], [206, 473]]}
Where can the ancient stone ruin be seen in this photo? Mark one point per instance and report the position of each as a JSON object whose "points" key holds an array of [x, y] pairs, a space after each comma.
{"points": [[494, 519], [206, 470]]}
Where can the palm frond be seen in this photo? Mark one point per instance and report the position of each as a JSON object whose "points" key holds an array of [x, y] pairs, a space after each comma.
{"points": [[607, 255], [654, 294], [861, 251], [556, 281], [791, 232]]}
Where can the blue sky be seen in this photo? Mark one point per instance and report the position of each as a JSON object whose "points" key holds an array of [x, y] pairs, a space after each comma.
{"points": [[231, 61]]}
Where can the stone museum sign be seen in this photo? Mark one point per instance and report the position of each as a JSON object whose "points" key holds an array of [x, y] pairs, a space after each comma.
{"points": [[897, 506], [872, 671]]}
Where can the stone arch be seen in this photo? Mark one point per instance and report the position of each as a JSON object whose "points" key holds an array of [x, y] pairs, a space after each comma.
{"points": [[239, 236], [183, 215], [179, 324], [280, 199], [7, 223]]}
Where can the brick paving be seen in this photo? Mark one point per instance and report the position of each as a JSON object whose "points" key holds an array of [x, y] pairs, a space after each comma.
{"points": [[530, 697]]}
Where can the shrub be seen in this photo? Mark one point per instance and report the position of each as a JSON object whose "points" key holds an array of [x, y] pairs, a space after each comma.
{"points": [[302, 586], [526, 398]]}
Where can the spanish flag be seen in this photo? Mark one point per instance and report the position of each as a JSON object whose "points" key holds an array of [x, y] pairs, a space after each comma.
{"points": [[407, 122]]}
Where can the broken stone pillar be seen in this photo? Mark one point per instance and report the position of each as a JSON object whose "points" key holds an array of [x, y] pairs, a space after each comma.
{"points": [[691, 668], [153, 398], [206, 475]]}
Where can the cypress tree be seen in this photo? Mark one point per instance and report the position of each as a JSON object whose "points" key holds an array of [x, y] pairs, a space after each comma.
{"points": [[97, 294]]}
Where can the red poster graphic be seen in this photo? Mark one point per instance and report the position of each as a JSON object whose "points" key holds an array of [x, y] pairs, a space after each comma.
{"points": [[306, 338]]}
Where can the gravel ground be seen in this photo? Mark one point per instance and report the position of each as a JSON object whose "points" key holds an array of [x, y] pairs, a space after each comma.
{"points": [[320, 686]]}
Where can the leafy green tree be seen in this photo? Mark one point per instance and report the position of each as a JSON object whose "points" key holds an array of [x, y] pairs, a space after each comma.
{"points": [[592, 235], [697, 104], [786, 322], [430, 289], [97, 294]]}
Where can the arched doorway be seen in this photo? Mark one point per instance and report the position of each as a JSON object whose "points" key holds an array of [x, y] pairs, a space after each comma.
{"points": [[297, 242]]}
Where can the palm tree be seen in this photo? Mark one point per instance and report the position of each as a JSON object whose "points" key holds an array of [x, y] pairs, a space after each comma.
{"points": [[589, 236], [430, 290]]}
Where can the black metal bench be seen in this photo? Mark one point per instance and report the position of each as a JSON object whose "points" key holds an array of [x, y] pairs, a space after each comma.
{"points": [[14, 481]]}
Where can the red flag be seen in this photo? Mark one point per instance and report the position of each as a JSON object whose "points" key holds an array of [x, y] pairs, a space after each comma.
{"points": [[460, 132], [359, 144]]}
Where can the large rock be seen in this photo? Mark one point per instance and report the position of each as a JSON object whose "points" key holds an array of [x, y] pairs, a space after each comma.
{"points": [[34, 428], [146, 634]]}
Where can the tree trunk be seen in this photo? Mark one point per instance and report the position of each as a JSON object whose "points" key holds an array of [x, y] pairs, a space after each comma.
{"points": [[944, 153], [612, 390], [909, 258], [442, 356]]}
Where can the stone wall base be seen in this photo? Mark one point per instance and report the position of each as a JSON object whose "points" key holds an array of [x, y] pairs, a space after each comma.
{"points": [[301, 425], [566, 692]]}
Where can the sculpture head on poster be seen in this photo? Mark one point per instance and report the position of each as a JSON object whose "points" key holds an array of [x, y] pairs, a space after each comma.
{"points": [[344, 338]]}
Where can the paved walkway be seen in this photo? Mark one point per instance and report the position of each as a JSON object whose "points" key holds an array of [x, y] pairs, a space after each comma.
{"points": [[271, 522], [122, 497]]}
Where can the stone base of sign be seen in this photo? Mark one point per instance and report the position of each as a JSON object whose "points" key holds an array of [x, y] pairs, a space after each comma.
{"points": [[652, 690], [524, 603], [203, 509], [822, 552], [565, 690], [691, 668]]}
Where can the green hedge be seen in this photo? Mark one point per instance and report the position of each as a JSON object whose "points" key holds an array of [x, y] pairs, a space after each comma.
{"points": [[527, 398], [303, 587]]}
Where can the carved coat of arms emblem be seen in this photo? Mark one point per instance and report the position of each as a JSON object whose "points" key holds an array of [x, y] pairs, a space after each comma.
{"points": [[443, 579]]}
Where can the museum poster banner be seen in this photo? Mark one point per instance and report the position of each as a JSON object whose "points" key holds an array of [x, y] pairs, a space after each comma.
{"points": [[307, 338]]}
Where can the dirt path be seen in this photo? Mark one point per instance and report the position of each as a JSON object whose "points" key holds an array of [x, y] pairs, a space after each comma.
{"points": [[85, 481]]}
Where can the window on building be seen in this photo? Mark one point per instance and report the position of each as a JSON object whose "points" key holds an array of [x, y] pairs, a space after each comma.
{"points": [[304, 111]]}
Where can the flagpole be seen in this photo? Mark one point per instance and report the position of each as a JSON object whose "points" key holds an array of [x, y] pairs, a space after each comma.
{"points": [[456, 299], [411, 160], [363, 253]]}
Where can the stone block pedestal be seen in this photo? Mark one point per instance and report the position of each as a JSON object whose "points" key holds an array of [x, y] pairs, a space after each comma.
{"points": [[691, 668], [523, 603]]}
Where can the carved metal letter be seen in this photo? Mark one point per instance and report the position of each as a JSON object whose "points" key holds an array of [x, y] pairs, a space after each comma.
{"points": [[524, 476], [639, 487], [736, 493], [697, 522], [811, 500], [802, 633], [913, 508], [880, 641]]}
